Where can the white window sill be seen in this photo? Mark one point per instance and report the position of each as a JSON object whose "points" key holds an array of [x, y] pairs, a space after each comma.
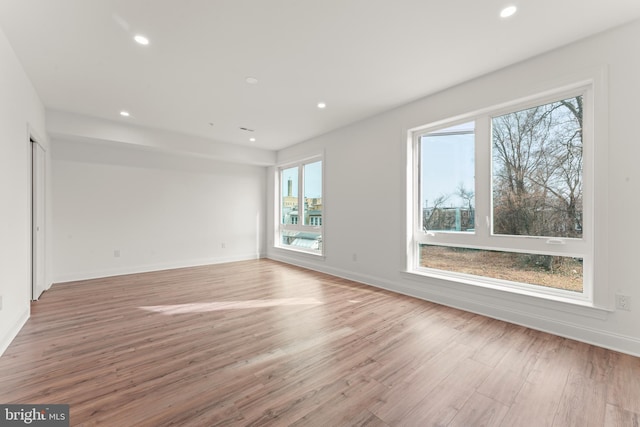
{"points": [[288, 249], [509, 294]]}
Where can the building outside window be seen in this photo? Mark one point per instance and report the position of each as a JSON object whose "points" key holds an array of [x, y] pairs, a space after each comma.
{"points": [[300, 206]]}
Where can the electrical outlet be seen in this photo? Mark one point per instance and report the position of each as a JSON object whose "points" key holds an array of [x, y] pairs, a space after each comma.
{"points": [[623, 302], [224, 245], [354, 257], [116, 253], [0, 302]]}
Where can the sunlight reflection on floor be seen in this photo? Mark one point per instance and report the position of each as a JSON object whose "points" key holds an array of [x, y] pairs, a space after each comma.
{"points": [[204, 307]]}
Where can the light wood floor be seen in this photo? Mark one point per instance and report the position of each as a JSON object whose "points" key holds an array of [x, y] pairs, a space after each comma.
{"points": [[262, 343]]}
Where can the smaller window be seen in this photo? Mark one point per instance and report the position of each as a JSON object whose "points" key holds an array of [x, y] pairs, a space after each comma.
{"points": [[301, 207]]}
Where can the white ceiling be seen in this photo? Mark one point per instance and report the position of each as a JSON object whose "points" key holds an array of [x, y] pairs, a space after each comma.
{"points": [[361, 57]]}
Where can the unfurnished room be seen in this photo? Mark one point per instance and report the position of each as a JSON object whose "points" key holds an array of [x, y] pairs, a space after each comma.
{"points": [[330, 213]]}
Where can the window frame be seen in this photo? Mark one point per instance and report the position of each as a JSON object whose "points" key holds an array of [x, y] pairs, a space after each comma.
{"points": [[483, 237], [299, 226]]}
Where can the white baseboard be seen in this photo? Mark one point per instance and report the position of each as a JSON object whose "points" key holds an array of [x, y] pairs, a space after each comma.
{"points": [[13, 331], [87, 275], [531, 316]]}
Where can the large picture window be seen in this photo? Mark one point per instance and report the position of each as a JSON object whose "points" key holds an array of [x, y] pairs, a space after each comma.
{"points": [[300, 206], [502, 198]]}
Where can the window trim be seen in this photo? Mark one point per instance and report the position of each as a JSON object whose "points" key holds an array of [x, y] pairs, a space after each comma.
{"points": [[279, 226], [595, 293]]}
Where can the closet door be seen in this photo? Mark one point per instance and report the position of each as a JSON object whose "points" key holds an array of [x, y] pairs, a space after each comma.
{"points": [[37, 221]]}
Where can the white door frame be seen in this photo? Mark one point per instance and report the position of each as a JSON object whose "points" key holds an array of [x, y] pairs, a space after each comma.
{"points": [[38, 218]]}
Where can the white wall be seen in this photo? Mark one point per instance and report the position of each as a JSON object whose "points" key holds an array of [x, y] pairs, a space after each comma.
{"points": [[159, 210], [365, 168], [21, 113]]}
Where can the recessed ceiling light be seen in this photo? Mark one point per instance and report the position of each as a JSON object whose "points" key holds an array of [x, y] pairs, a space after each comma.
{"points": [[140, 39], [508, 11], [252, 139], [124, 113], [322, 105], [251, 80]]}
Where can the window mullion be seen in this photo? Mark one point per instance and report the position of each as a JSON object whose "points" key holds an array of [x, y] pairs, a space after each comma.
{"points": [[483, 180], [301, 212], [417, 190]]}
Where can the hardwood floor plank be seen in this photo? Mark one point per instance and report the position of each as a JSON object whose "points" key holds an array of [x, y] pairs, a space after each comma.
{"points": [[261, 343], [340, 410], [536, 404], [398, 401], [624, 388], [503, 386], [442, 404], [617, 417], [580, 393], [404, 355], [480, 411], [511, 372]]}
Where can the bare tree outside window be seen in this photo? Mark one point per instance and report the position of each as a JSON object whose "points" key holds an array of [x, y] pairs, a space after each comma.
{"points": [[537, 171]]}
